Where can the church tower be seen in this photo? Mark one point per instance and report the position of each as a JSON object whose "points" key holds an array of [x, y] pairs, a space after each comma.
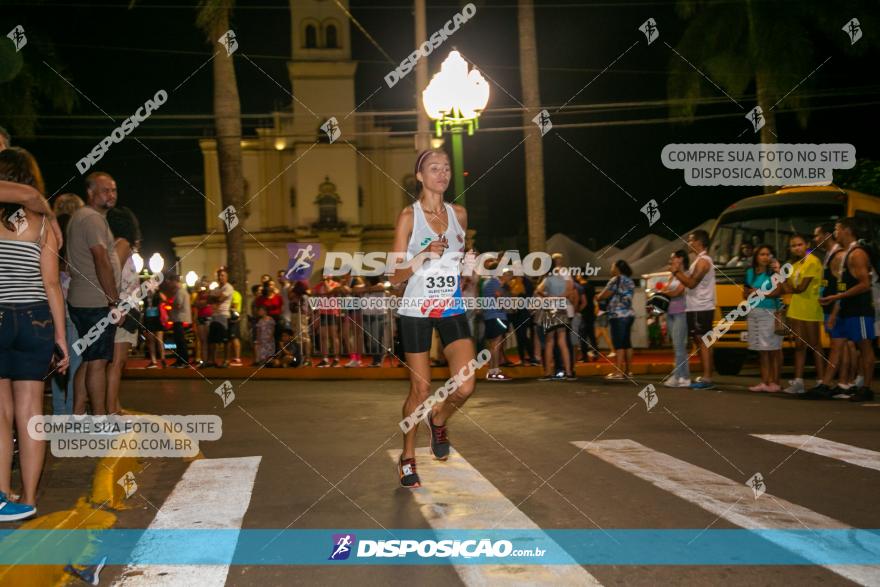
{"points": [[322, 78], [301, 185]]}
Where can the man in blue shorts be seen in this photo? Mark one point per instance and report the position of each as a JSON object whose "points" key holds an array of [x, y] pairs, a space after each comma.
{"points": [[855, 313]]}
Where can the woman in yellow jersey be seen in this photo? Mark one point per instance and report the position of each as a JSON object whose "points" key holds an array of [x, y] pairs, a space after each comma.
{"points": [[804, 312]]}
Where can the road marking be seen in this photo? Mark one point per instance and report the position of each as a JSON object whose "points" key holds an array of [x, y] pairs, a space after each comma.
{"points": [[732, 501], [212, 494], [853, 455], [454, 495]]}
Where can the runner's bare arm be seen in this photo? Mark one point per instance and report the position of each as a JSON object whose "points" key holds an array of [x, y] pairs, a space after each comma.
{"points": [[402, 232]]}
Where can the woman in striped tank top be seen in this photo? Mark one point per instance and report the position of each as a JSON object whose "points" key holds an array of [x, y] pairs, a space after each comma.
{"points": [[431, 228], [31, 325]]}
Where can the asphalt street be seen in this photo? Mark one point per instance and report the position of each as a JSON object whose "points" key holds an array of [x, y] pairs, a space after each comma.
{"points": [[327, 450]]}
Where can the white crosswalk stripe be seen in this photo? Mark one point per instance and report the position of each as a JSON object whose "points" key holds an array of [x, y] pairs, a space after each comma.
{"points": [[212, 494], [861, 457], [455, 495], [731, 500]]}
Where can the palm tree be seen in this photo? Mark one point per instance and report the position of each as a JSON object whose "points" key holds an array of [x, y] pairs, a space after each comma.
{"points": [[739, 46], [768, 47], [213, 20], [528, 59], [26, 83]]}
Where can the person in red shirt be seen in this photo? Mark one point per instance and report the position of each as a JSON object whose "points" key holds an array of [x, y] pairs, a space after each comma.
{"points": [[329, 321], [270, 299]]}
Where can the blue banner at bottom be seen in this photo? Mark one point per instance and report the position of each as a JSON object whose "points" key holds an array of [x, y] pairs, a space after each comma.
{"points": [[433, 547]]}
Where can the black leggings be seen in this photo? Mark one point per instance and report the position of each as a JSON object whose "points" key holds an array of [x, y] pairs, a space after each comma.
{"points": [[180, 342], [588, 335]]}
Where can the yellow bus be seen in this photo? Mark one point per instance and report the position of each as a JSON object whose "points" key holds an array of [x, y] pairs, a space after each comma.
{"points": [[772, 219]]}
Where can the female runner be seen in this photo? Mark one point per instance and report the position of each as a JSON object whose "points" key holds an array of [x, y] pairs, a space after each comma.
{"points": [[431, 228]]}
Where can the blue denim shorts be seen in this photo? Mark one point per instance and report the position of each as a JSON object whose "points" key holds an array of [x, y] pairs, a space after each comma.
{"points": [[27, 340], [98, 343]]}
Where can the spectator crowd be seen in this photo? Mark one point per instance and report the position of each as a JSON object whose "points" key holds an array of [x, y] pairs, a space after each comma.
{"points": [[73, 309]]}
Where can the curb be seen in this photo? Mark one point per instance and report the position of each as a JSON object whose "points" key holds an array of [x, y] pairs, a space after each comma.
{"points": [[82, 517], [106, 487]]}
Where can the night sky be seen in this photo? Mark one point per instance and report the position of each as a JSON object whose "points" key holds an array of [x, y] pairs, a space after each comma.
{"points": [[118, 57]]}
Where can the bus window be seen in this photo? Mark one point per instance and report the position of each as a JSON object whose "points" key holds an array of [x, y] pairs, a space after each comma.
{"points": [[766, 225], [872, 224]]}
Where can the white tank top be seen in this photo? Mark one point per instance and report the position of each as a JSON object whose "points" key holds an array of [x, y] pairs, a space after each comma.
{"points": [[437, 282], [702, 297]]}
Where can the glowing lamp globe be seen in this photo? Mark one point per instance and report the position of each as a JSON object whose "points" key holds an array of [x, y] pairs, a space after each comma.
{"points": [[454, 91], [156, 263]]}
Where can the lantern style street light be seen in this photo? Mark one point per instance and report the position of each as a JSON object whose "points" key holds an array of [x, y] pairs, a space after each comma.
{"points": [[191, 278], [156, 263], [454, 99]]}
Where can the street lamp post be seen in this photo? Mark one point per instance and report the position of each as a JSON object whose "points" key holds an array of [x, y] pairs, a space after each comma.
{"points": [[454, 99]]}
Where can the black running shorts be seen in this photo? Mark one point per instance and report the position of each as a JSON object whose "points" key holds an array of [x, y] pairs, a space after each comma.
{"points": [[700, 322], [415, 333]]}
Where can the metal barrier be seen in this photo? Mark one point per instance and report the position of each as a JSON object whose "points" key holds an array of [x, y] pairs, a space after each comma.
{"points": [[364, 335]]}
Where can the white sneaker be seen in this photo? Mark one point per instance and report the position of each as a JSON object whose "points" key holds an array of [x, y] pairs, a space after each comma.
{"points": [[611, 355], [795, 386], [671, 381], [684, 382], [859, 382], [354, 363]]}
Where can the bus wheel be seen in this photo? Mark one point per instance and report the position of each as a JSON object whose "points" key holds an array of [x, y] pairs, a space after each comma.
{"points": [[729, 361]]}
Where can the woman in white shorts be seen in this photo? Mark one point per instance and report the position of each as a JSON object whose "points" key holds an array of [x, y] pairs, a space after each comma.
{"points": [[762, 319], [127, 234]]}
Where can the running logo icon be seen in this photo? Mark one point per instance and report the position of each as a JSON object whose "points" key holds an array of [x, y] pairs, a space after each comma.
{"points": [[649, 395], [19, 220], [225, 392], [331, 127], [128, 484], [756, 117], [650, 30], [854, 29], [652, 211], [301, 260], [342, 545], [756, 482], [229, 217], [543, 121], [229, 42], [16, 35]]}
